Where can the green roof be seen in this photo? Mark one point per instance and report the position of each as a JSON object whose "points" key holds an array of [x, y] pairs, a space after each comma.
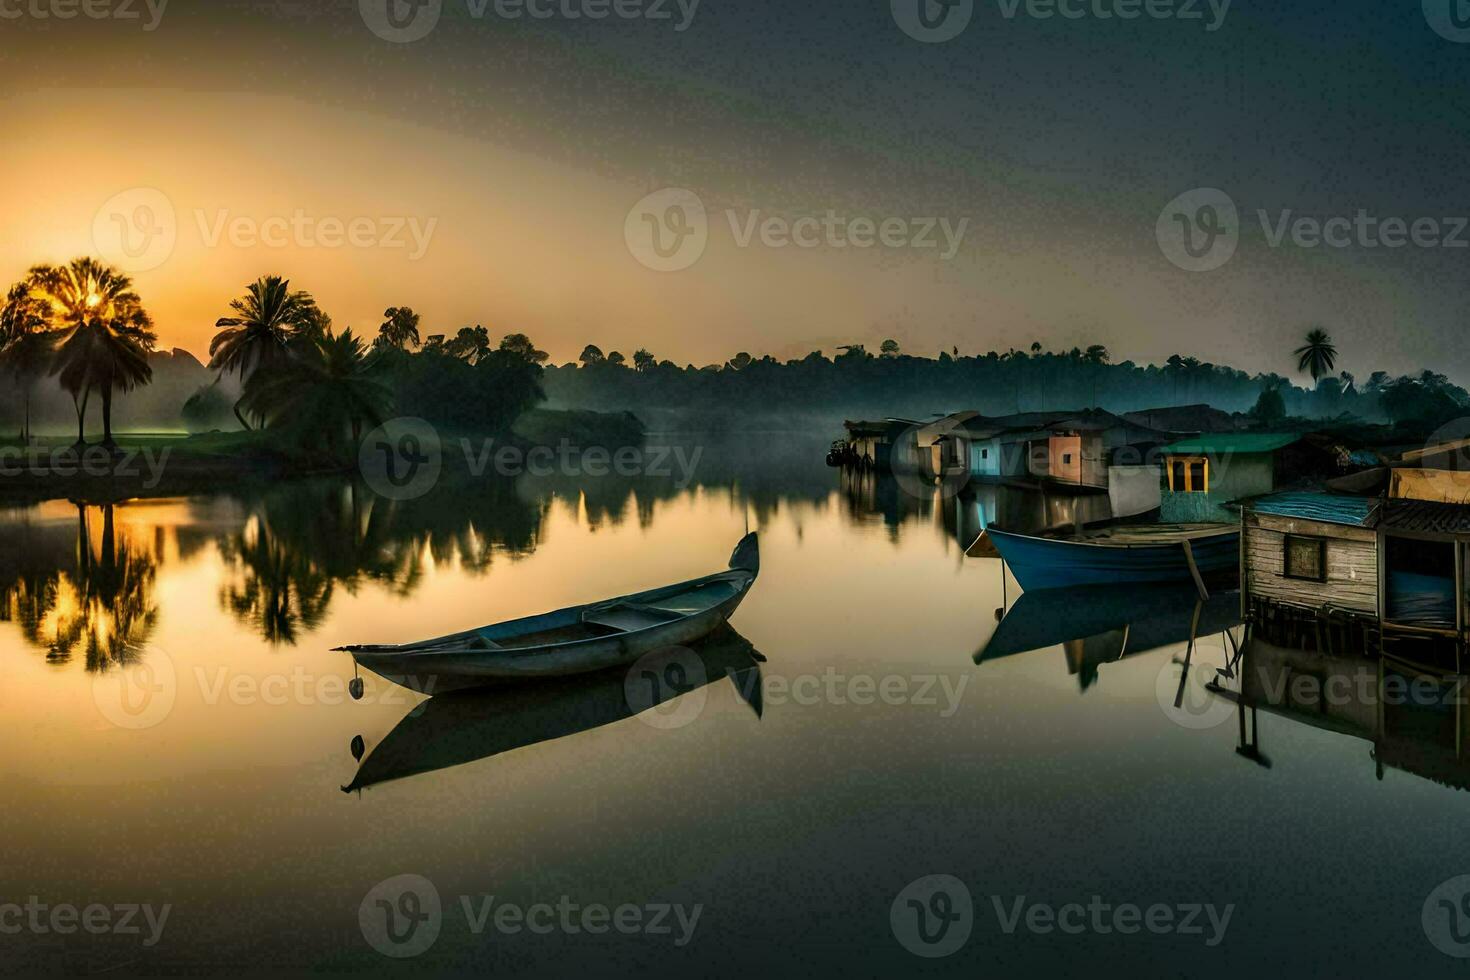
{"points": [[1233, 442]]}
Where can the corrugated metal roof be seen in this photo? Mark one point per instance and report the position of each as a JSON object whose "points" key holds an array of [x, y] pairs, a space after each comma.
{"points": [[1426, 517], [1328, 508], [1234, 442]]}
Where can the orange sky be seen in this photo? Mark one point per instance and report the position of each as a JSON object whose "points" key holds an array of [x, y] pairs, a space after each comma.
{"points": [[522, 148]]}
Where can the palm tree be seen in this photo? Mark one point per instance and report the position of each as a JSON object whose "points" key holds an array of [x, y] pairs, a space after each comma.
{"points": [[25, 344], [1317, 356], [328, 387], [519, 345], [1097, 355], [266, 319], [400, 328], [107, 333]]}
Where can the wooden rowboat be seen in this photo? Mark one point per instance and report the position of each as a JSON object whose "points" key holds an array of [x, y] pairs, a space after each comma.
{"points": [[575, 640], [455, 729], [1156, 553]]}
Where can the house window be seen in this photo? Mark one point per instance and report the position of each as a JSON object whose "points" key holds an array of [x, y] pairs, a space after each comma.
{"points": [[1066, 459], [1189, 474], [1306, 558], [984, 454]]}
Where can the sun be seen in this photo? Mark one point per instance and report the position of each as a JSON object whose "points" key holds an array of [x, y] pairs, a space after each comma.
{"points": [[92, 300]]}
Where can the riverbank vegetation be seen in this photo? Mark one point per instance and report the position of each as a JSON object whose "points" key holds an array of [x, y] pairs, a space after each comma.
{"points": [[278, 365]]}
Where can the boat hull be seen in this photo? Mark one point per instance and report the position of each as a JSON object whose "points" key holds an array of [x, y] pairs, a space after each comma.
{"points": [[433, 673], [510, 652], [1051, 563]]}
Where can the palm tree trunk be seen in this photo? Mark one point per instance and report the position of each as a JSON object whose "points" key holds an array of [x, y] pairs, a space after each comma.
{"points": [[107, 416], [80, 404], [236, 407]]}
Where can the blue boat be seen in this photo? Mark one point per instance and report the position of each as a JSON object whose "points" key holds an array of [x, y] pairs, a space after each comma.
{"points": [[1154, 553]]}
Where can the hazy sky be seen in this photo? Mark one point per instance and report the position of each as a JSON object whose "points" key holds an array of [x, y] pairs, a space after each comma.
{"points": [[492, 171]]}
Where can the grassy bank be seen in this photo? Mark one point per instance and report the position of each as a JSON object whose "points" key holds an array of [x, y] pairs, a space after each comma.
{"points": [[159, 464]]}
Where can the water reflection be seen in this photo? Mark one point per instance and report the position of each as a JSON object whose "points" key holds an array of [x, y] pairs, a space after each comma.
{"points": [[1104, 624], [79, 586], [463, 727], [1415, 721], [80, 577]]}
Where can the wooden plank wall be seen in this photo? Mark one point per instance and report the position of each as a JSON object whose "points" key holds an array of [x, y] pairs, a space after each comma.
{"points": [[1352, 564]]}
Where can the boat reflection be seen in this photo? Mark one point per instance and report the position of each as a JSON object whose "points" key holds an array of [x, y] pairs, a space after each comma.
{"points": [[462, 727], [1414, 719], [1102, 624]]}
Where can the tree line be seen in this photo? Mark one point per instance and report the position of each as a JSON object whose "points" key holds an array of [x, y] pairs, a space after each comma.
{"points": [[281, 366], [290, 371], [894, 383]]}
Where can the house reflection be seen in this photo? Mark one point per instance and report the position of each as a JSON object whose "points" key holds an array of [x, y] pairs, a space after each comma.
{"points": [[1416, 722]]}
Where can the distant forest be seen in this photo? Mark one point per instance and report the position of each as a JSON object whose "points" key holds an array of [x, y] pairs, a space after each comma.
{"points": [[858, 382], [76, 338]]}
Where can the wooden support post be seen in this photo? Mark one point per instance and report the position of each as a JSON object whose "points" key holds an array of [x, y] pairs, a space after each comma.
{"points": [[1199, 582]]}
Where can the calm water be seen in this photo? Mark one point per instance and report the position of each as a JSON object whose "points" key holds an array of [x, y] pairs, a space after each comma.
{"points": [[177, 733]]}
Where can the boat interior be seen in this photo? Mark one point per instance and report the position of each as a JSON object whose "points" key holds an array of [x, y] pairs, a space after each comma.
{"points": [[609, 618]]}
